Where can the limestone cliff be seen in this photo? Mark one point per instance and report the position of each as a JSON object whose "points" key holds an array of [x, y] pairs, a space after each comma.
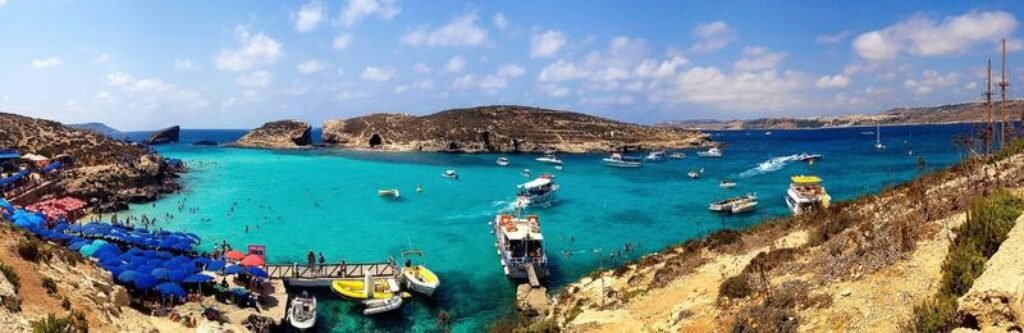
{"points": [[164, 136], [281, 134], [503, 128]]}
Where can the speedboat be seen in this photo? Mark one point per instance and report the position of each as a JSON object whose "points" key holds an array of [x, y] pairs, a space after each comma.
{"points": [[520, 246], [416, 276], [806, 193], [693, 174], [713, 152], [621, 161], [302, 313], [727, 184], [450, 174], [656, 156], [364, 289], [390, 193], [549, 159], [735, 205], [677, 155], [538, 192], [502, 161], [382, 305], [525, 173], [807, 157]]}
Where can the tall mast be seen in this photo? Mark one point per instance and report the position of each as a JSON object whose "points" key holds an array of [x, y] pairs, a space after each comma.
{"points": [[1002, 103], [988, 104]]}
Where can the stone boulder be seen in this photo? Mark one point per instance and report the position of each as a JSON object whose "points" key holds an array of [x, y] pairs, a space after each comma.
{"points": [[281, 134], [164, 136], [996, 300]]}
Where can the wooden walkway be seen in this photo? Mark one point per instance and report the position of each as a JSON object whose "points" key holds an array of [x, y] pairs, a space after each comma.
{"points": [[330, 271], [531, 275]]}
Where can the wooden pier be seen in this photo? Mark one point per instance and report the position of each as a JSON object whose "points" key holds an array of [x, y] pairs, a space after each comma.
{"points": [[322, 275]]}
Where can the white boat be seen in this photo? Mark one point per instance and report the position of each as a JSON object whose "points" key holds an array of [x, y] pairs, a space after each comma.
{"points": [[520, 246], [736, 205], [713, 152], [727, 184], [538, 192], [302, 313], [878, 137], [559, 167], [502, 161], [693, 174], [806, 193], [390, 193], [450, 174], [415, 275], [376, 306], [525, 173], [677, 155], [807, 157], [621, 161], [768, 133], [549, 159], [656, 156]]}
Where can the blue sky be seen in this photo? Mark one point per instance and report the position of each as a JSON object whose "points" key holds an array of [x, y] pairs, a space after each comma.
{"points": [[230, 64]]}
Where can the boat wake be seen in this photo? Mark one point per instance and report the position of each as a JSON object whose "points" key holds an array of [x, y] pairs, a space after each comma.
{"points": [[771, 165]]}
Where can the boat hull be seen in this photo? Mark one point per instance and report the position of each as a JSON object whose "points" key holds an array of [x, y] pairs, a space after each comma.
{"points": [[354, 289], [420, 279], [299, 318]]}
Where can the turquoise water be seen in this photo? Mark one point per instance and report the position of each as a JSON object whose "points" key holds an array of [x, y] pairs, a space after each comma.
{"points": [[326, 200]]}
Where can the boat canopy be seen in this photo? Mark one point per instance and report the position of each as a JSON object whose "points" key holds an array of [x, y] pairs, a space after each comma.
{"points": [[806, 179], [536, 183]]}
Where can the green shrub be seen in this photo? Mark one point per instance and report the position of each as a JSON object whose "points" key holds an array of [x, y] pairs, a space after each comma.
{"points": [[735, 287], [73, 323], [935, 315], [30, 250], [11, 275], [50, 285], [65, 303]]}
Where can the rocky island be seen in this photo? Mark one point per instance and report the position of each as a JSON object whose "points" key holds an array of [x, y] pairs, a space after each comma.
{"points": [[164, 136], [501, 128], [281, 134]]}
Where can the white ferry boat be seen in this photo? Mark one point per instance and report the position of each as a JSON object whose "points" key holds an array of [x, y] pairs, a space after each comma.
{"points": [[806, 193], [620, 161], [538, 192], [520, 245], [713, 152]]}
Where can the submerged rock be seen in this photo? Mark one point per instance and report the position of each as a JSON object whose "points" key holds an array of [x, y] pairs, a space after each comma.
{"points": [[281, 134], [164, 136], [205, 143]]}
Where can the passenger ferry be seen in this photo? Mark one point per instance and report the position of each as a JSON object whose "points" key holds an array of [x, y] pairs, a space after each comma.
{"points": [[621, 161], [805, 194], [520, 245], [538, 192]]}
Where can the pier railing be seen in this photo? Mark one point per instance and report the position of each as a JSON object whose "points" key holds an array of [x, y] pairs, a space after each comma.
{"points": [[330, 271]]}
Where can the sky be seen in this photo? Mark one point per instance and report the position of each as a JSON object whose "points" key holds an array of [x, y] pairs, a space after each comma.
{"points": [[138, 65]]}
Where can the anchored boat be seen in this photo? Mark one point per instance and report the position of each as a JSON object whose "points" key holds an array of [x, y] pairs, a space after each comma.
{"points": [[693, 174], [677, 155], [378, 294], [710, 153], [302, 313], [806, 193], [736, 205], [502, 161], [520, 246], [549, 159], [727, 184], [807, 157], [621, 161], [416, 276], [656, 156], [450, 174], [538, 192], [390, 193], [382, 305]]}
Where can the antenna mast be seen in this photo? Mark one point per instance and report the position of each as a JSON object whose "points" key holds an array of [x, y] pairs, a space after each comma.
{"points": [[1002, 104], [988, 104]]}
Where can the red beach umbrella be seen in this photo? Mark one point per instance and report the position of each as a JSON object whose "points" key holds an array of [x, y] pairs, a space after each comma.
{"points": [[234, 255], [252, 260]]}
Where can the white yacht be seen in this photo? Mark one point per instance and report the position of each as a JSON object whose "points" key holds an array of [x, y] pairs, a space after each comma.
{"points": [[450, 174], [538, 192], [520, 246], [713, 152], [621, 161], [502, 161], [805, 157], [806, 193], [656, 156], [549, 159], [693, 174]]}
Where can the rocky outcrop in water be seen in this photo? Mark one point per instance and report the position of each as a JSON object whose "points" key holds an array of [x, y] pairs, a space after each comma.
{"points": [[205, 143], [503, 128], [281, 134], [164, 136]]}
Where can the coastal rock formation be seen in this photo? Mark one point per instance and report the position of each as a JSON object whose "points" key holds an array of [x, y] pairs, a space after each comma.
{"points": [[995, 302], [281, 134], [502, 128], [164, 136]]}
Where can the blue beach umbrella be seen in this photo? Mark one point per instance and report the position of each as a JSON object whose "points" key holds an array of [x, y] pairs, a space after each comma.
{"points": [[177, 275], [201, 261], [215, 265], [127, 276], [145, 281], [233, 269], [160, 273], [197, 278], [170, 288], [257, 272], [75, 246]]}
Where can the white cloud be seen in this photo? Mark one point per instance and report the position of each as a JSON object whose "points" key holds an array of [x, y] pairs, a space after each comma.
{"points": [[493, 82], [650, 68], [3, 2], [833, 39], [50, 62], [832, 81], [421, 68], [425, 84], [921, 35], [561, 70], [712, 36], [744, 91], [152, 92], [930, 80], [756, 58], [456, 64], [356, 10], [609, 100], [554, 90], [101, 58], [311, 66], [341, 41], [461, 31], [255, 79], [464, 82], [103, 96], [500, 21], [309, 16], [252, 50], [184, 65], [379, 74], [546, 44], [510, 71]]}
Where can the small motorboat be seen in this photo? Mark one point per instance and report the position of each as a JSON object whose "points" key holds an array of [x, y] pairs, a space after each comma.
{"points": [[727, 184], [549, 159], [389, 193], [710, 153], [450, 174], [693, 174], [526, 173], [622, 161], [365, 289], [736, 205], [302, 313], [805, 157], [768, 133], [656, 156], [677, 155], [382, 305], [559, 167], [416, 276], [502, 161]]}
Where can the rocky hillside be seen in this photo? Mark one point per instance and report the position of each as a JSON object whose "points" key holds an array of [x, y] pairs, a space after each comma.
{"points": [[281, 134], [861, 266], [503, 128], [953, 113], [51, 138], [100, 128]]}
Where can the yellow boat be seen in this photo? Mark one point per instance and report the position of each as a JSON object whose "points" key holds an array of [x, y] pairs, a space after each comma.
{"points": [[417, 277], [356, 289]]}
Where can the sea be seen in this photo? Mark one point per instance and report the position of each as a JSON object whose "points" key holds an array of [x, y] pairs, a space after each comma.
{"points": [[325, 200]]}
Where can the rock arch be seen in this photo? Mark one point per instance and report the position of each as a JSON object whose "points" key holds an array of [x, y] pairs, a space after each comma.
{"points": [[375, 140]]}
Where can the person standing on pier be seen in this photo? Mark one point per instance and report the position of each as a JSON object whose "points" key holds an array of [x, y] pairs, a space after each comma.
{"points": [[322, 261], [311, 259]]}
